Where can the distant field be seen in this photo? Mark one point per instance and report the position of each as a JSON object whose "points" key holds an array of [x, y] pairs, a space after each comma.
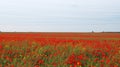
{"points": [[20, 49], [60, 35]]}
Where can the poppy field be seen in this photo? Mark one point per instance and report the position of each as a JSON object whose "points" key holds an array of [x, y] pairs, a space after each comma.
{"points": [[59, 49]]}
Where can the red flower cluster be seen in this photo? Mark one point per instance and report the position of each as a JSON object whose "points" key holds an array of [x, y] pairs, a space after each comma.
{"points": [[75, 60], [102, 49]]}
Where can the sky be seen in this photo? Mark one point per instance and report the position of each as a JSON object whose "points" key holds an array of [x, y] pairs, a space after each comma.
{"points": [[59, 15]]}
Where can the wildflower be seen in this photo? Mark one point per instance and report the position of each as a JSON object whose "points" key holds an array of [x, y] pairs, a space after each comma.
{"points": [[92, 66], [1, 47], [101, 65], [8, 58], [80, 57], [74, 65], [71, 66], [40, 61], [102, 61], [54, 64], [115, 65], [96, 59], [36, 66], [78, 63], [71, 59], [11, 65], [107, 61]]}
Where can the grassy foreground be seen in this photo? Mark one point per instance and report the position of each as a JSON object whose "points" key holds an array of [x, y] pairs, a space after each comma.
{"points": [[25, 54]]}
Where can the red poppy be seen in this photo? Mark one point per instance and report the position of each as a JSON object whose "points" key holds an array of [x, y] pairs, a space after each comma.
{"points": [[36, 66], [80, 57], [12, 66], [107, 61], [1, 46], [54, 64], [40, 61]]}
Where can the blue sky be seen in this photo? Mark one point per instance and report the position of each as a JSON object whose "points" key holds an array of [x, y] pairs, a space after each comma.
{"points": [[59, 15]]}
